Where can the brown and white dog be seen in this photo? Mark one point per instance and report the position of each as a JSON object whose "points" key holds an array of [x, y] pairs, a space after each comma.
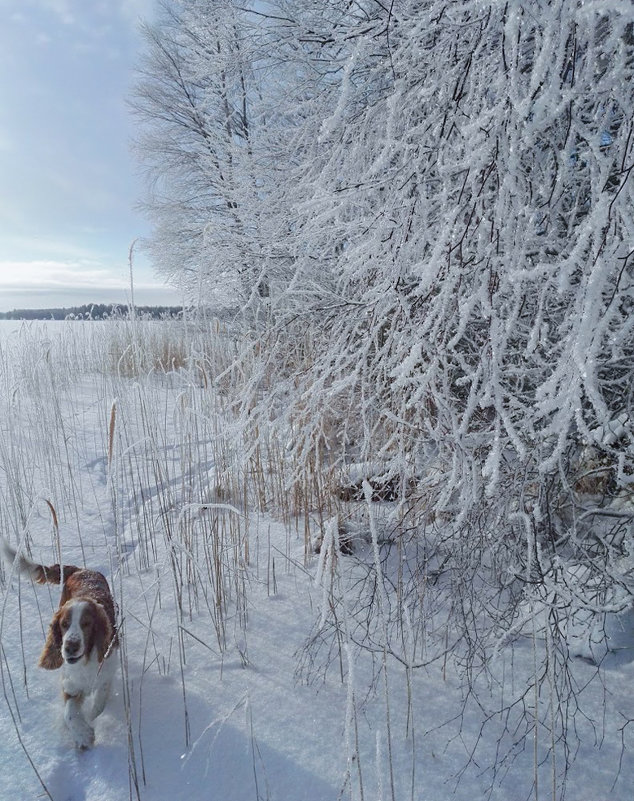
{"points": [[81, 639]]}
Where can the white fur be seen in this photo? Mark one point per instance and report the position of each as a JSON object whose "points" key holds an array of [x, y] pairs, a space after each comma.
{"points": [[87, 682], [73, 645]]}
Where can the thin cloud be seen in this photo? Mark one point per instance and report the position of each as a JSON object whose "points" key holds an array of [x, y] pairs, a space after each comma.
{"points": [[49, 283], [43, 275], [26, 249], [54, 275]]}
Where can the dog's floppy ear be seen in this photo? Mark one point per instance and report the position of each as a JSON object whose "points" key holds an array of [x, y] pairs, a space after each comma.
{"points": [[102, 631], [51, 656]]}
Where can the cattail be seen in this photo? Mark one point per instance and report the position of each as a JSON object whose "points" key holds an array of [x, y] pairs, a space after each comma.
{"points": [[111, 427], [56, 529]]}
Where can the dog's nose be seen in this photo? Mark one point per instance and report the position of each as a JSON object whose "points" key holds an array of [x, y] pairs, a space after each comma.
{"points": [[71, 646]]}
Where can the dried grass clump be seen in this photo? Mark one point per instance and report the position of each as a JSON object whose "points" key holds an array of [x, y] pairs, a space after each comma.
{"points": [[139, 347]]}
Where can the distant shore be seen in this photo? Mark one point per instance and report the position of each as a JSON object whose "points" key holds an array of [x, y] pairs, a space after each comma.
{"points": [[93, 311]]}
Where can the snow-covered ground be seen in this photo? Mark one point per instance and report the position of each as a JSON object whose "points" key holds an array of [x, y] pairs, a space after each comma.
{"points": [[218, 695]]}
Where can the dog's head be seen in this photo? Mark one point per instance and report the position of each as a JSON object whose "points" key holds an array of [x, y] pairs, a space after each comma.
{"points": [[78, 627]]}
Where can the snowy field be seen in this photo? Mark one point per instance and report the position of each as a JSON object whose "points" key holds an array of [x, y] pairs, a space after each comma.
{"points": [[228, 688]]}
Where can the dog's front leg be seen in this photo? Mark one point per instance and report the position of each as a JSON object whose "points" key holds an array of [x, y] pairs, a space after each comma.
{"points": [[99, 700], [82, 732], [101, 692]]}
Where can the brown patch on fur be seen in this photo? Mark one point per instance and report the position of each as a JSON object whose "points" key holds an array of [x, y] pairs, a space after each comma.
{"points": [[98, 631], [51, 656], [88, 585], [52, 574]]}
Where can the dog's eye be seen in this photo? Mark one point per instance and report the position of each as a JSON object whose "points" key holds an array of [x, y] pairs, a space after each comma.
{"points": [[64, 624], [85, 624]]}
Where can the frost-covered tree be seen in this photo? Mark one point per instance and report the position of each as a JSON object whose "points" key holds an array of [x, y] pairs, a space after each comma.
{"points": [[439, 193], [468, 197], [465, 219], [444, 200], [196, 100]]}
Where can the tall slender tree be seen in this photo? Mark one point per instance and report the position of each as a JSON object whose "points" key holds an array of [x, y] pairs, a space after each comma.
{"points": [[195, 99]]}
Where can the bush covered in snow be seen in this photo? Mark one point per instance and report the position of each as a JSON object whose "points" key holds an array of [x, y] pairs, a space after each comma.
{"points": [[420, 215]]}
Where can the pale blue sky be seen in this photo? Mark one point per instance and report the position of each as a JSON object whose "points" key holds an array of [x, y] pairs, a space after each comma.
{"points": [[68, 184]]}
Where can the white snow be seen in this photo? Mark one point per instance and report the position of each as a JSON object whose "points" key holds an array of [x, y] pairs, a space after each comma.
{"points": [[212, 698]]}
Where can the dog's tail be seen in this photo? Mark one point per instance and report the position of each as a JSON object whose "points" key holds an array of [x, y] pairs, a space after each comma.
{"points": [[39, 573]]}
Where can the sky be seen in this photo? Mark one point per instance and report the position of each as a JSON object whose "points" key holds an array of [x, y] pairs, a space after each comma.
{"points": [[69, 184]]}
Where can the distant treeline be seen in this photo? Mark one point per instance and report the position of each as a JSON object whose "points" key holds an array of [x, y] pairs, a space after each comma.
{"points": [[93, 311]]}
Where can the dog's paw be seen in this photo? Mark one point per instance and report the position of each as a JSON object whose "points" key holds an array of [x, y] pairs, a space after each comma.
{"points": [[84, 736]]}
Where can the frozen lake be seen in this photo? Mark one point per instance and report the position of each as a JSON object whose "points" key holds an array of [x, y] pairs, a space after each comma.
{"points": [[42, 329]]}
